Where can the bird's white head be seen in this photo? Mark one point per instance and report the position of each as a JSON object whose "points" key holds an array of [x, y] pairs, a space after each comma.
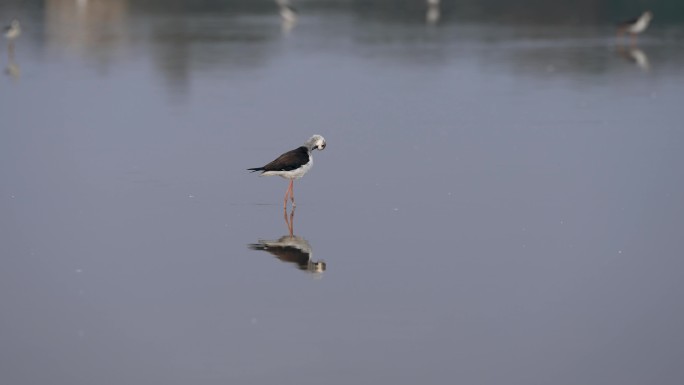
{"points": [[647, 16], [317, 142], [316, 267], [15, 23]]}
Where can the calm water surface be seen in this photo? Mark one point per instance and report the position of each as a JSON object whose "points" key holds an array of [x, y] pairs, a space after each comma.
{"points": [[498, 203]]}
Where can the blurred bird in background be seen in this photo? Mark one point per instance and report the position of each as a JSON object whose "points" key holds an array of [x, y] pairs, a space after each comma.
{"points": [[635, 26]]}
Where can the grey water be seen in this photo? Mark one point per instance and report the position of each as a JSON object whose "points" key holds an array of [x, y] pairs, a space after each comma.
{"points": [[501, 198]]}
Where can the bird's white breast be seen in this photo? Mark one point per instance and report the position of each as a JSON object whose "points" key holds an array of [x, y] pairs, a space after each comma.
{"points": [[298, 173], [292, 174]]}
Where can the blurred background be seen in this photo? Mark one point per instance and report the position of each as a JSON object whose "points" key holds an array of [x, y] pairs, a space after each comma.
{"points": [[501, 198]]}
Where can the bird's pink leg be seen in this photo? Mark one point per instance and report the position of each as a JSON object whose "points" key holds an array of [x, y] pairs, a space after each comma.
{"points": [[290, 222], [287, 194], [292, 193]]}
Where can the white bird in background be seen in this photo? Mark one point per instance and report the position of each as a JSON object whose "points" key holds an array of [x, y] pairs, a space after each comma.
{"points": [[13, 30], [288, 13], [635, 26], [433, 12]]}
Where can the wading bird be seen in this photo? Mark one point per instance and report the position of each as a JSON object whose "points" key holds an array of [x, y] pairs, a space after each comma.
{"points": [[293, 164], [288, 14], [635, 26], [12, 32], [432, 13]]}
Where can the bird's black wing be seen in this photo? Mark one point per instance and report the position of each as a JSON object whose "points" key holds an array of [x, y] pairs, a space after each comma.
{"points": [[627, 23], [285, 253], [290, 160]]}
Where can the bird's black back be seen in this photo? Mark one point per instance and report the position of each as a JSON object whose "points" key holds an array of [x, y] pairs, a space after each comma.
{"points": [[289, 161]]}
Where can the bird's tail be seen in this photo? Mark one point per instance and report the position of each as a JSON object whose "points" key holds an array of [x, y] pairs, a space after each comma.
{"points": [[257, 246], [255, 169]]}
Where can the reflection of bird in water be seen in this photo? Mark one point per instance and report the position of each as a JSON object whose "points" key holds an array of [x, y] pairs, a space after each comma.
{"points": [[291, 248], [433, 12], [636, 56], [13, 69], [293, 164], [635, 26]]}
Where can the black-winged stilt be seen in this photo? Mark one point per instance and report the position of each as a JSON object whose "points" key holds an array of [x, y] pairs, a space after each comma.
{"points": [[288, 13], [432, 14], [293, 164], [12, 32], [635, 26]]}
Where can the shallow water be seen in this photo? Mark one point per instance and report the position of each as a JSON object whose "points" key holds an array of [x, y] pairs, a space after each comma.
{"points": [[497, 203]]}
